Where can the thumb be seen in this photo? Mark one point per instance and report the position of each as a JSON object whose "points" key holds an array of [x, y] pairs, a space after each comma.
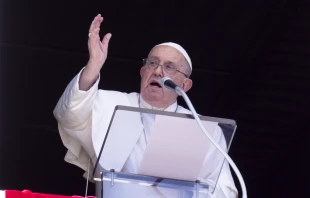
{"points": [[106, 39]]}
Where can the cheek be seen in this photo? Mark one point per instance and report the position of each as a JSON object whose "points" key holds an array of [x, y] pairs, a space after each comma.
{"points": [[168, 93], [178, 82], [144, 78]]}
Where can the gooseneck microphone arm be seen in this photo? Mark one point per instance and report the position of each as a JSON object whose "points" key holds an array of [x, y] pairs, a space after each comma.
{"points": [[169, 84]]}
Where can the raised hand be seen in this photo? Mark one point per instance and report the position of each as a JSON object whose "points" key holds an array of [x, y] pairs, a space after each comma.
{"points": [[98, 49]]}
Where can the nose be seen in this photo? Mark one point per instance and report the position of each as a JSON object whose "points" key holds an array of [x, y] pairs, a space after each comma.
{"points": [[159, 71]]}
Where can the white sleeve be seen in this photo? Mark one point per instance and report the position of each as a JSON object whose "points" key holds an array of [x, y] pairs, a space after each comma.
{"points": [[73, 113]]}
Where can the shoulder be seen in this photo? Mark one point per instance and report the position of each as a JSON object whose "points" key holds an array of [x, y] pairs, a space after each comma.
{"points": [[116, 97], [182, 109], [115, 94]]}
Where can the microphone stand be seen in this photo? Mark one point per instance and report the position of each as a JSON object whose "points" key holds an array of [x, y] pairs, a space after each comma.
{"points": [[233, 165]]}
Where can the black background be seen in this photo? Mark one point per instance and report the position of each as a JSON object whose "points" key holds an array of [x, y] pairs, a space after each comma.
{"points": [[251, 63]]}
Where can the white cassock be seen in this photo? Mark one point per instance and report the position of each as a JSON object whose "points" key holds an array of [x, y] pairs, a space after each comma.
{"points": [[83, 118]]}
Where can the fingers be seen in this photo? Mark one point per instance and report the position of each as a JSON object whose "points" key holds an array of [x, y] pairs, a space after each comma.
{"points": [[95, 35], [96, 23]]}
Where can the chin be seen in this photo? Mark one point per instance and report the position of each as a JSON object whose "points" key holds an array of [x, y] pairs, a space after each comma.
{"points": [[153, 97]]}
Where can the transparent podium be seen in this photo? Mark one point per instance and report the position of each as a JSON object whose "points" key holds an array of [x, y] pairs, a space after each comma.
{"points": [[190, 169]]}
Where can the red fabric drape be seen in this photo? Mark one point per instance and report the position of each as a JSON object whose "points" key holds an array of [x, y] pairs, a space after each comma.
{"points": [[29, 194]]}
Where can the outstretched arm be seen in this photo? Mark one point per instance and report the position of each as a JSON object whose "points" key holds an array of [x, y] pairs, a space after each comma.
{"points": [[73, 111]]}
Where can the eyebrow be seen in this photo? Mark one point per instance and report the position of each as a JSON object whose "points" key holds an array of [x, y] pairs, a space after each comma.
{"points": [[157, 58]]}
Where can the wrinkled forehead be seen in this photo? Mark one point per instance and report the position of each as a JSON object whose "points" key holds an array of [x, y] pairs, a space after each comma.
{"points": [[166, 53]]}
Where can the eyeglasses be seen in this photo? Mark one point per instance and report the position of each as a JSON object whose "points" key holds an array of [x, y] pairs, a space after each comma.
{"points": [[168, 68]]}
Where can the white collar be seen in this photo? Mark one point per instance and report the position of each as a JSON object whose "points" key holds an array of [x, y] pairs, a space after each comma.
{"points": [[144, 104]]}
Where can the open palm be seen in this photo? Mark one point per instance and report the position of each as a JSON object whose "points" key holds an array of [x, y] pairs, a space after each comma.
{"points": [[98, 49]]}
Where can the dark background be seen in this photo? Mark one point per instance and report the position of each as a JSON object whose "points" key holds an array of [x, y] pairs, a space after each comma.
{"points": [[251, 63]]}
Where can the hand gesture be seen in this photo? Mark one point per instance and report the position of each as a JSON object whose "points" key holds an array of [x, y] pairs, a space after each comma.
{"points": [[98, 49]]}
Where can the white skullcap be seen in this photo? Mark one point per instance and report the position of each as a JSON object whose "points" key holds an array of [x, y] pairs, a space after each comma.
{"points": [[180, 49]]}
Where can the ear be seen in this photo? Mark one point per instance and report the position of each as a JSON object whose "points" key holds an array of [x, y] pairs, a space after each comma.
{"points": [[187, 84], [142, 71]]}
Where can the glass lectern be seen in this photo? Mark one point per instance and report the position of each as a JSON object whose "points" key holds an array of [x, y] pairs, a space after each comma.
{"points": [[173, 172]]}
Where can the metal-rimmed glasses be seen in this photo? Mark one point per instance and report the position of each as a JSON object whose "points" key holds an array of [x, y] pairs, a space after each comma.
{"points": [[168, 68]]}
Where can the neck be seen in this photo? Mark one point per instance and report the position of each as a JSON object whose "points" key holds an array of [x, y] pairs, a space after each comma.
{"points": [[155, 105]]}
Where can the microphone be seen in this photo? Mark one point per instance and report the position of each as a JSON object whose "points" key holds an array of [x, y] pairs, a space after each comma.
{"points": [[169, 84]]}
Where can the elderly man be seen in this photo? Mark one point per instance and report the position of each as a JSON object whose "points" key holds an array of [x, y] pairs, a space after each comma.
{"points": [[83, 112]]}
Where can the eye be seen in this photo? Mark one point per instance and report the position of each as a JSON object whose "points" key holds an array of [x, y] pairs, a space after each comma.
{"points": [[153, 63], [169, 67]]}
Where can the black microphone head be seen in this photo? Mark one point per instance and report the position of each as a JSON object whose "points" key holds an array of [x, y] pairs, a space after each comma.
{"points": [[168, 83], [163, 80]]}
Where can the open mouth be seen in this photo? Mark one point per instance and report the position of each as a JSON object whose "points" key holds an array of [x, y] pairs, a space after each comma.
{"points": [[155, 84]]}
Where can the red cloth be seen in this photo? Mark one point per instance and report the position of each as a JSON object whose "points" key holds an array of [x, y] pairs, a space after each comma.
{"points": [[29, 194]]}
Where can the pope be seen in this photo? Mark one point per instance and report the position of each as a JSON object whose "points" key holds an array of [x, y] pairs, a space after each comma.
{"points": [[84, 111]]}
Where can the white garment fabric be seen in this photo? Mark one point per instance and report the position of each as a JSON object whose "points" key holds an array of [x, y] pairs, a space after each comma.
{"points": [[2, 194], [134, 160], [83, 118]]}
